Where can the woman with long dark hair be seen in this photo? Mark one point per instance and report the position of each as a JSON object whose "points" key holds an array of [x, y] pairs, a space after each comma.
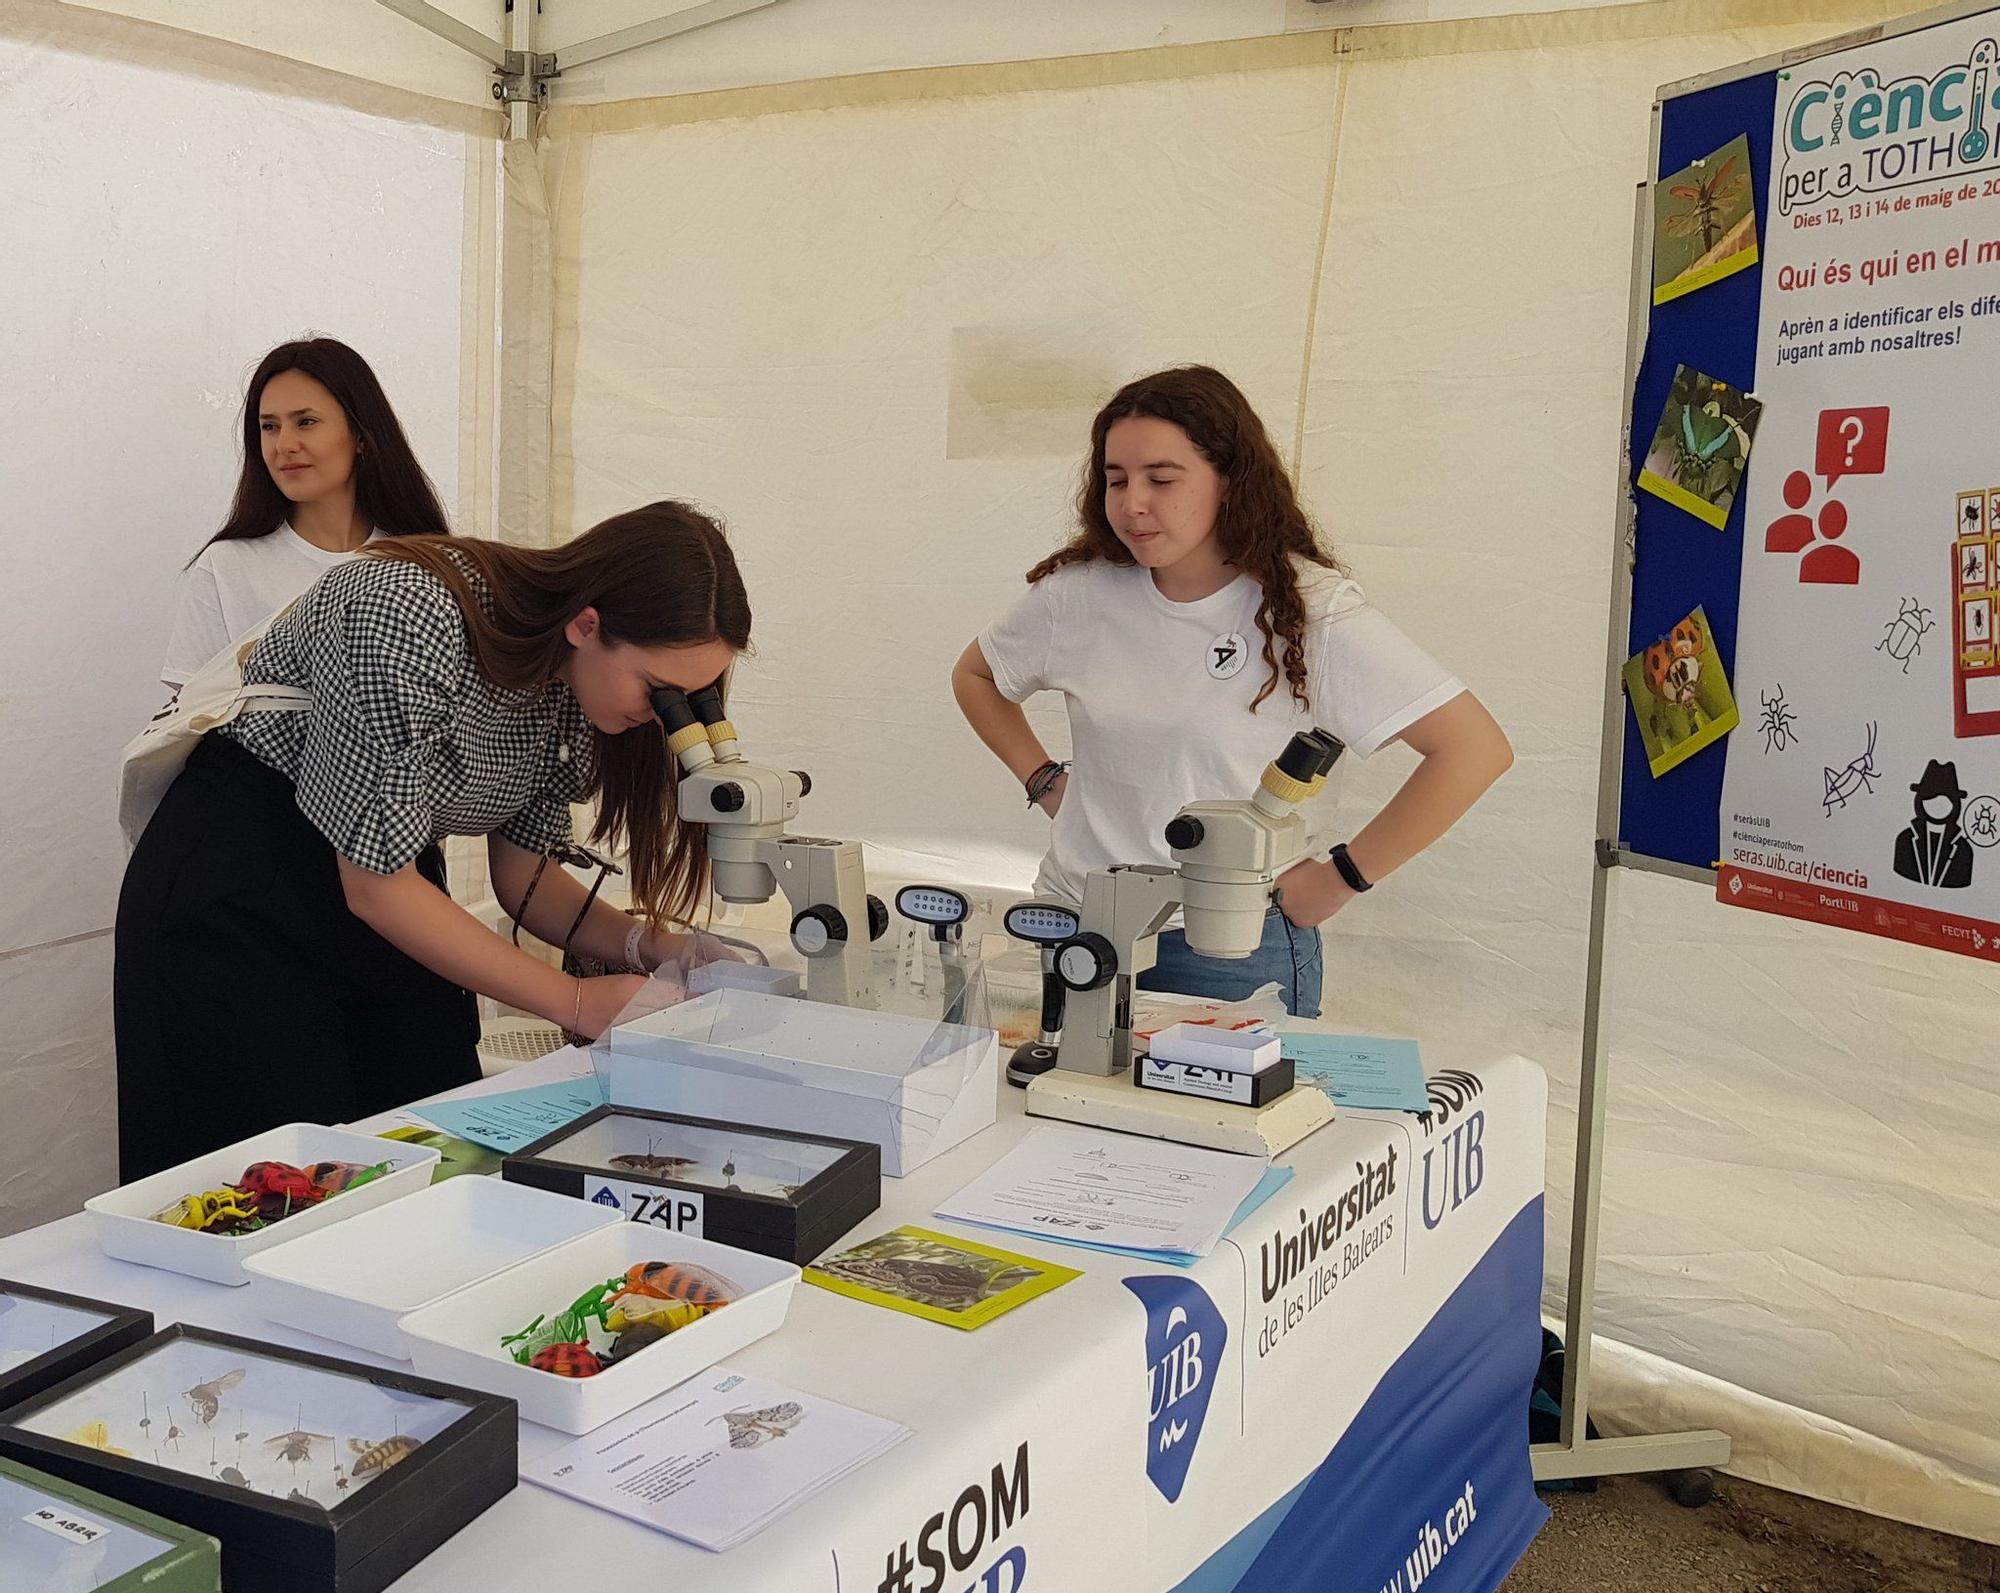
{"points": [[1194, 623], [326, 469], [281, 958]]}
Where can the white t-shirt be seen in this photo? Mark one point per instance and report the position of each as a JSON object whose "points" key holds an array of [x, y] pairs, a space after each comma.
{"points": [[1159, 700], [234, 585]]}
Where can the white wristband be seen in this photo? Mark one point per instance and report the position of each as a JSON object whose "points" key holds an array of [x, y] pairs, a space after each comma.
{"points": [[636, 934]]}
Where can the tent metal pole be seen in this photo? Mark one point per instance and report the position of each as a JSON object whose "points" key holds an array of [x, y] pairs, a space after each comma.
{"points": [[448, 28], [642, 34]]}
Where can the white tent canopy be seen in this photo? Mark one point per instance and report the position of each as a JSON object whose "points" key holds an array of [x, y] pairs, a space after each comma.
{"points": [[856, 275]]}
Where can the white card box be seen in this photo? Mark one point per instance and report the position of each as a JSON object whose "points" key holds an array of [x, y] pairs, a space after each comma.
{"points": [[1202, 1045], [122, 1218], [912, 1086], [356, 1281], [457, 1339]]}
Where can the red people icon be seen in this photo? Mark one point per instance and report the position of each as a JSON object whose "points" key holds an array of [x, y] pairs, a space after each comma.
{"points": [[1827, 564], [1791, 532]]}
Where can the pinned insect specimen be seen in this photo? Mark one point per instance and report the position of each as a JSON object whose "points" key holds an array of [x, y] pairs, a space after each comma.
{"points": [[371, 1459], [652, 1162], [296, 1445], [206, 1398]]}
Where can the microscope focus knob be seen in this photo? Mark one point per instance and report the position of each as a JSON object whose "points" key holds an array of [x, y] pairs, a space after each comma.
{"points": [[1086, 962], [805, 782], [727, 797], [1184, 833], [819, 930], [878, 917]]}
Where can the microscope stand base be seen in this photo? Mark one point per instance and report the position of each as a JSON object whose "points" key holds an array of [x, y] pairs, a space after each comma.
{"points": [[1117, 1103]]}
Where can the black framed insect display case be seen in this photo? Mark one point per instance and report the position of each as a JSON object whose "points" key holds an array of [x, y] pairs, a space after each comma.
{"points": [[766, 1190], [318, 1475], [47, 1337]]}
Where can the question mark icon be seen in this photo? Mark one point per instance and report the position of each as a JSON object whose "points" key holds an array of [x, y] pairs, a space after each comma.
{"points": [[1853, 441]]}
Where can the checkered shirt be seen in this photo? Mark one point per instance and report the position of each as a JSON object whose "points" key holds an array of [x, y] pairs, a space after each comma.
{"points": [[406, 740]]}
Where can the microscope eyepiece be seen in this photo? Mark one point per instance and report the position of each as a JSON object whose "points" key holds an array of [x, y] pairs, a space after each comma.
{"points": [[673, 707], [707, 702]]}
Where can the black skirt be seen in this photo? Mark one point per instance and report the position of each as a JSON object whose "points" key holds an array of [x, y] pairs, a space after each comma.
{"points": [[245, 994]]}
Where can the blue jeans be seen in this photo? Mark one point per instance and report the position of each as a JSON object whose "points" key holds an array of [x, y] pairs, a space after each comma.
{"points": [[1289, 957]]}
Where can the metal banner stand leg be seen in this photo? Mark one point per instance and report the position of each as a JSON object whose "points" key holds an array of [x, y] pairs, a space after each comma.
{"points": [[1575, 1454]]}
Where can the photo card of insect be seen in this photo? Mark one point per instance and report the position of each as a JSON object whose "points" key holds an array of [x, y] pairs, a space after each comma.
{"points": [[58, 1538], [1701, 446], [771, 1191], [1704, 221], [318, 1475], [47, 1337], [939, 1277], [1680, 693]]}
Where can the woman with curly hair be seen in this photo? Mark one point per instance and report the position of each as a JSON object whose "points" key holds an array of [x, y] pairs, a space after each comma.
{"points": [[1193, 624]]}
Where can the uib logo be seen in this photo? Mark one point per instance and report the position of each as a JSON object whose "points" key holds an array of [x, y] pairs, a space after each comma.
{"points": [[1185, 1335], [1460, 1170], [1735, 884]]}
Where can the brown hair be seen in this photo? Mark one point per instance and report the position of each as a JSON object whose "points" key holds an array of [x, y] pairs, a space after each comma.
{"points": [[658, 576], [391, 491], [1259, 526]]}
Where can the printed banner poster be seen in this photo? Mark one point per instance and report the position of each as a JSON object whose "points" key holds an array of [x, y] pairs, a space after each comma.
{"points": [[1864, 787]]}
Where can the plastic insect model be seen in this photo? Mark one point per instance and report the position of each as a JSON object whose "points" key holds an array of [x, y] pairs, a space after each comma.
{"points": [[210, 1210], [679, 1280], [630, 1312], [332, 1178], [206, 1398], [633, 1338], [572, 1359], [749, 1428], [565, 1327]]}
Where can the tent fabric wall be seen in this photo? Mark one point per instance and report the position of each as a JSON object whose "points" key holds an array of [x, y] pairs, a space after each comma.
{"points": [[167, 225], [1415, 260]]}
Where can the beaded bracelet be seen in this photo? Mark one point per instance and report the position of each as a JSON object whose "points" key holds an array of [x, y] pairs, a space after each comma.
{"points": [[1043, 780]]}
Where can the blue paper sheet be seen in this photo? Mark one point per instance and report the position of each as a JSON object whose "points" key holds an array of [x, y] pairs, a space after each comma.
{"points": [[1274, 1179], [1361, 1070], [515, 1118]]}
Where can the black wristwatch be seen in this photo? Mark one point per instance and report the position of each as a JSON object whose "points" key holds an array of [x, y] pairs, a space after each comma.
{"points": [[1347, 869]]}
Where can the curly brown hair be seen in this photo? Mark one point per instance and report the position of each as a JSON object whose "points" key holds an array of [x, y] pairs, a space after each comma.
{"points": [[1260, 526]]}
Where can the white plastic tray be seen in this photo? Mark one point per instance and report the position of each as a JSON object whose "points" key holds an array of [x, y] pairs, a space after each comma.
{"points": [[121, 1218], [355, 1281], [457, 1339]]}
